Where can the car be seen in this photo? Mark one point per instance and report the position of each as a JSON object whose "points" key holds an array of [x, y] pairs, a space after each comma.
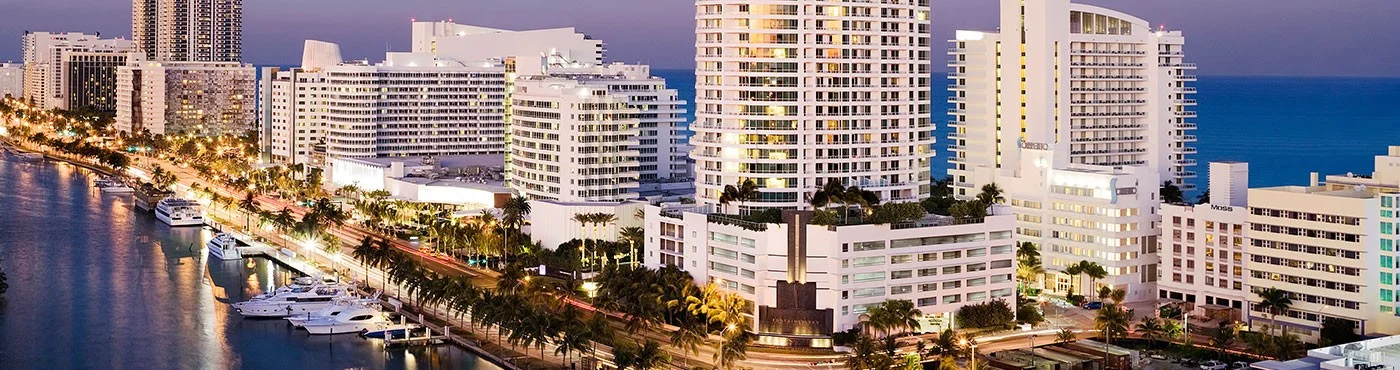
{"points": [[1213, 365], [1239, 365], [1093, 305]]}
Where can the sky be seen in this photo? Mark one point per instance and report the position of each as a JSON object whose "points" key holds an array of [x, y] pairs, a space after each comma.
{"points": [[1224, 37]]}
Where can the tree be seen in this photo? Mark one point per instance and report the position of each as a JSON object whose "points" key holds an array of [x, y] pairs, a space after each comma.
{"points": [[1274, 301], [1028, 263], [745, 191], [891, 316], [991, 314], [1204, 198], [1224, 336], [940, 198], [513, 214], [1337, 331], [1113, 321], [646, 356], [1171, 193], [991, 194], [635, 238], [1065, 336], [1150, 328], [688, 336], [891, 213], [161, 178], [865, 354], [968, 210]]}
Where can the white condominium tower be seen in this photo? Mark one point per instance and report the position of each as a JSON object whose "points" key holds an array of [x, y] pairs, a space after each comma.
{"points": [[410, 105], [585, 133], [791, 94], [1080, 113], [188, 30], [1094, 85]]}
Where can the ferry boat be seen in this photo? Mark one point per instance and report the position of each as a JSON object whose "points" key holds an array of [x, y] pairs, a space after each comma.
{"points": [[179, 212], [225, 247]]}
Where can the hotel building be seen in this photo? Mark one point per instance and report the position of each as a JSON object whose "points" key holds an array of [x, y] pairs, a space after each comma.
{"points": [[188, 30], [1332, 247], [1091, 102], [793, 94], [586, 133], [807, 281], [72, 70], [198, 98], [1205, 247], [530, 48]]}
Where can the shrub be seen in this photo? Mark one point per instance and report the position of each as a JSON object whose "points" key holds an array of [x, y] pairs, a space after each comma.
{"points": [[990, 315], [898, 212], [1075, 299]]}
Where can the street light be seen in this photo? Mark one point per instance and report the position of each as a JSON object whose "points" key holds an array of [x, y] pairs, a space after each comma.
{"points": [[972, 364]]}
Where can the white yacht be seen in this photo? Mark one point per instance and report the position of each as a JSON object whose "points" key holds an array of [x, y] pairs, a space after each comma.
{"points": [[358, 319], [179, 212], [225, 247], [336, 307], [296, 301], [398, 330], [112, 186]]}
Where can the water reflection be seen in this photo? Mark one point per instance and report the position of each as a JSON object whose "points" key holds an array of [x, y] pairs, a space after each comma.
{"points": [[95, 283]]}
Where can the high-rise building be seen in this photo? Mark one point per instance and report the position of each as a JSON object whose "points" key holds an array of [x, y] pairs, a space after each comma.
{"points": [[794, 94], [586, 133], [72, 70], [11, 80], [188, 30], [530, 48], [1080, 113], [199, 98], [410, 105]]}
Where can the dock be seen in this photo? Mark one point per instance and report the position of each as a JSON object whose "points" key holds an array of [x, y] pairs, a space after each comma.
{"points": [[428, 338]]}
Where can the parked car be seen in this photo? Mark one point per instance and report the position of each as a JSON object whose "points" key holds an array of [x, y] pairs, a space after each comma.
{"points": [[1214, 365], [1093, 305], [1239, 365]]}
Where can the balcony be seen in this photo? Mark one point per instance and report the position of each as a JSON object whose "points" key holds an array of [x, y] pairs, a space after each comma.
{"points": [[1185, 114], [1184, 150], [1185, 174], [1178, 65], [1186, 125], [1186, 77], [1186, 138]]}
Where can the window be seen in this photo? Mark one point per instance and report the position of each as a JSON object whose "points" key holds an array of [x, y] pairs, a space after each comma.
{"points": [[952, 284], [949, 299], [928, 257], [925, 302], [867, 261], [1387, 245], [929, 287], [868, 277], [904, 274], [979, 252], [928, 272], [1387, 261], [868, 292], [1004, 249], [952, 255], [901, 259], [1387, 228], [977, 282], [1387, 295], [1000, 278], [976, 296], [902, 289], [1387, 278], [972, 267], [952, 269], [869, 246]]}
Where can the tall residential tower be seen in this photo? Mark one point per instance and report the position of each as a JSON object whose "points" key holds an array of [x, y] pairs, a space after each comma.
{"points": [[188, 30], [794, 94], [1080, 113]]}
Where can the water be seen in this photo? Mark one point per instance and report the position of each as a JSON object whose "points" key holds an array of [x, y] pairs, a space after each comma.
{"points": [[1285, 127], [96, 285]]}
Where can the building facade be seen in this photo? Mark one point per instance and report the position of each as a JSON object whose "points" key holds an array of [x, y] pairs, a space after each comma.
{"points": [[807, 281], [449, 40], [12, 80], [188, 30], [794, 94], [1205, 246], [195, 98], [1070, 93], [72, 70]]}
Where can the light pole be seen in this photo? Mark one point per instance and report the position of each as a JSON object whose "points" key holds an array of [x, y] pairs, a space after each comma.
{"points": [[1032, 350], [972, 360]]}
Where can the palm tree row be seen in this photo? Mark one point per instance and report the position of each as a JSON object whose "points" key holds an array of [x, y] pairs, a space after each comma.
{"points": [[835, 192]]}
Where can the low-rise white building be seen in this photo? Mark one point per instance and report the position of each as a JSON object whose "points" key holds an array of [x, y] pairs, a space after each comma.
{"points": [[1204, 247], [462, 180], [198, 98], [11, 80], [552, 222], [72, 70], [808, 281]]}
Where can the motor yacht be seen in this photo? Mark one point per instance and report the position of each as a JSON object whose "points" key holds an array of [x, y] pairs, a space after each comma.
{"points": [[357, 319], [225, 247], [336, 307], [179, 212], [296, 301], [392, 331]]}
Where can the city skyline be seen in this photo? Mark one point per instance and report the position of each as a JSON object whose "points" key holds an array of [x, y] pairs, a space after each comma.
{"points": [[1321, 46]]}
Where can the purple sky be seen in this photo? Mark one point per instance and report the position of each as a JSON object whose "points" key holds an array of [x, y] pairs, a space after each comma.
{"points": [[1226, 37]]}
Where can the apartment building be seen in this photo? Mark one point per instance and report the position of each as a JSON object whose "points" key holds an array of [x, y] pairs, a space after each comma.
{"points": [[188, 30], [573, 140], [791, 95], [1205, 246], [807, 281], [1091, 99], [197, 98], [70, 70]]}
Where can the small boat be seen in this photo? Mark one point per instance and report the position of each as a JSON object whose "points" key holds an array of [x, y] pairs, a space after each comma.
{"points": [[225, 247], [335, 308], [357, 319], [180, 212], [391, 330], [112, 186]]}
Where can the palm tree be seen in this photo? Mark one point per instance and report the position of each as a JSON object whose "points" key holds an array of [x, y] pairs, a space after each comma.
{"points": [[647, 356], [364, 252], [991, 194], [863, 354], [730, 312], [1118, 295], [1065, 336], [1074, 270], [1150, 328], [635, 238], [513, 214], [248, 206], [688, 336], [1171, 193], [1274, 301], [1095, 272], [746, 190], [1113, 321]]}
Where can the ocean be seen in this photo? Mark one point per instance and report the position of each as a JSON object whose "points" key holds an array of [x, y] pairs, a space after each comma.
{"points": [[1285, 127]]}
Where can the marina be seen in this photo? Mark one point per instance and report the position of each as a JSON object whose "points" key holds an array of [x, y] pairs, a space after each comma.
{"points": [[155, 299]]}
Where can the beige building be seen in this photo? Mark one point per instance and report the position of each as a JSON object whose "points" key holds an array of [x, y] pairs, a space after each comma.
{"points": [[199, 98], [1204, 247]]}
